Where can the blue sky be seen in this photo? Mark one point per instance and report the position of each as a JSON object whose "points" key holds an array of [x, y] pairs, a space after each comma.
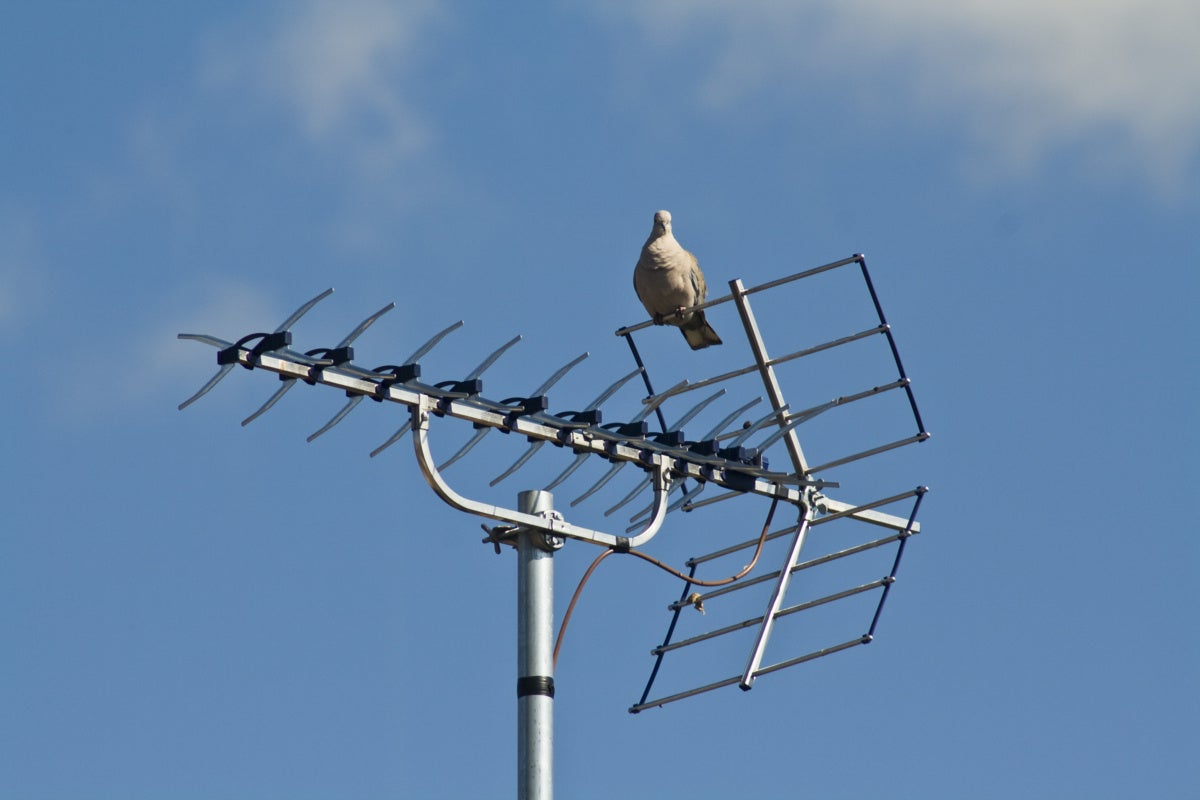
{"points": [[194, 609]]}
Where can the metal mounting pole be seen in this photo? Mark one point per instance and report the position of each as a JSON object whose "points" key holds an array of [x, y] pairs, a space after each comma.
{"points": [[535, 651]]}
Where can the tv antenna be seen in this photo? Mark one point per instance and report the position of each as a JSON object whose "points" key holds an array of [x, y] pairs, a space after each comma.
{"points": [[730, 458]]}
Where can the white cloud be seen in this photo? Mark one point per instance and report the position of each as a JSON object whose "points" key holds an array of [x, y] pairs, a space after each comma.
{"points": [[1024, 76], [339, 66], [227, 313]]}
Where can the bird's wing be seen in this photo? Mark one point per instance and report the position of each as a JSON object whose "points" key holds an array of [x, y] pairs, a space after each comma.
{"points": [[639, 279], [698, 284]]}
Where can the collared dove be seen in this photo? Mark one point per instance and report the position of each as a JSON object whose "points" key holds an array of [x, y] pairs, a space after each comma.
{"points": [[668, 279]]}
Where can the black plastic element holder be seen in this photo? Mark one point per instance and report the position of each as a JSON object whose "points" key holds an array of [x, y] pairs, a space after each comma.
{"points": [[396, 373], [670, 439], [739, 481], [637, 429], [592, 416], [527, 405], [735, 453], [336, 356], [267, 342], [469, 387]]}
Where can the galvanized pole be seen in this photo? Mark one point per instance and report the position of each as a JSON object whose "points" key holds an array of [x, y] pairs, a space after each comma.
{"points": [[535, 652]]}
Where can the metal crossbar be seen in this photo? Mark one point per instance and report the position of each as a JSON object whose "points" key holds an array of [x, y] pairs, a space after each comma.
{"points": [[591, 440]]}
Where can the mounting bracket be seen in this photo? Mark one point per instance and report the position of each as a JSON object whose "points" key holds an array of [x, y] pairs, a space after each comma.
{"points": [[662, 466]]}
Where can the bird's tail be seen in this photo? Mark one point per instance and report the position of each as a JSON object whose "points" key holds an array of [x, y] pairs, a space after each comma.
{"points": [[699, 333]]}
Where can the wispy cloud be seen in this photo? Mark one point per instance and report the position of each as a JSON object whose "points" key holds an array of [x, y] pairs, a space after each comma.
{"points": [[226, 312], [160, 369], [1023, 77], [340, 67]]}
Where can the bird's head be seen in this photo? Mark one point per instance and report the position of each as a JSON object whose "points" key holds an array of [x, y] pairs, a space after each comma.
{"points": [[662, 222]]}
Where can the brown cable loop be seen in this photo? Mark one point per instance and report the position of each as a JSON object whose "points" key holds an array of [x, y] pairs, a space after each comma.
{"points": [[695, 581]]}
